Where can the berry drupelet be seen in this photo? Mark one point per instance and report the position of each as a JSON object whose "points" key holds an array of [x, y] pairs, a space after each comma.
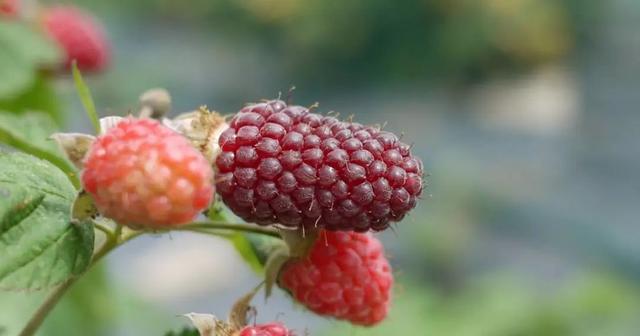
{"points": [[346, 276], [144, 175], [286, 165]]}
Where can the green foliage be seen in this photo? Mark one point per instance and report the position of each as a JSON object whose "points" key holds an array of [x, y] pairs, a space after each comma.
{"points": [[184, 332], [40, 96], [23, 51], [86, 98], [30, 133], [502, 306], [381, 40], [32, 129], [40, 247], [87, 309], [253, 248], [93, 306], [248, 250]]}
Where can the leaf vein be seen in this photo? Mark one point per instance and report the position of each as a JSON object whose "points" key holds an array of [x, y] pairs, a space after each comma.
{"points": [[35, 257]]}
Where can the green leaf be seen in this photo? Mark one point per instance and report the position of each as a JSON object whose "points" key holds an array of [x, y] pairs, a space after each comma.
{"points": [[39, 245], [23, 51], [85, 97], [40, 96], [247, 250], [29, 43], [29, 133], [88, 308], [33, 127], [184, 332], [17, 73], [253, 248]]}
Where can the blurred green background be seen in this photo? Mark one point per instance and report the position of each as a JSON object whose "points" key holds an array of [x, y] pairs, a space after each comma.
{"points": [[523, 111]]}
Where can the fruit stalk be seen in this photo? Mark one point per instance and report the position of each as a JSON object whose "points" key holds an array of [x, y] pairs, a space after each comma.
{"points": [[115, 239], [45, 308], [208, 225], [38, 317]]}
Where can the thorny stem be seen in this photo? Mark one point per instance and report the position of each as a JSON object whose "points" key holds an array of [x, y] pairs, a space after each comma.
{"points": [[116, 238]]}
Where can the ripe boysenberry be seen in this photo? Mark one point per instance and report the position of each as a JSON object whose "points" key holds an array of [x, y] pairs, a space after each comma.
{"points": [[268, 329], [79, 35], [143, 174], [346, 276], [286, 165]]}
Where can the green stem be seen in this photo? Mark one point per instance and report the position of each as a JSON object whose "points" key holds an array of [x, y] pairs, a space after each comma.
{"points": [[118, 237], [38, 317], [45, 308], [195, 226], [107, 231]]}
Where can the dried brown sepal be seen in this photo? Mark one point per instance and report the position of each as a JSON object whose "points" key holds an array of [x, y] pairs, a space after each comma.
{"points": [[240, 310], [209, 325], [74, 146], [202, 127]]}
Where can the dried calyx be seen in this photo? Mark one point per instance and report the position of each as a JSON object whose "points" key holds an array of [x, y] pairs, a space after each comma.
{"points": [[237, 322], [202, 127]]}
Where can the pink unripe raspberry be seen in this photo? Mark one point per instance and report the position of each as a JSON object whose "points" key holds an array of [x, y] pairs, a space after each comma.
{"points": [[268, 329], [142, 174], [79, 35], [9, 8], [285, 165], [346, 276]]}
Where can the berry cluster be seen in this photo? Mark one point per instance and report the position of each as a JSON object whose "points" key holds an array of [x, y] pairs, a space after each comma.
{"points": [[142, 174], [78, 35], [287, 165], [345, 276], [282, 165]]}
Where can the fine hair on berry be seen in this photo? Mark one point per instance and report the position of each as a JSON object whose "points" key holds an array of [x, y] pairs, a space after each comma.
{"points": [[143, 174], [287, 165]]}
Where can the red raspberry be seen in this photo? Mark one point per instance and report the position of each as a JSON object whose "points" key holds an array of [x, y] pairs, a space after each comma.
{"points": [[9, 8], [285, 165], [268, 329], [79, 36], [346, 276], [142, 174]]}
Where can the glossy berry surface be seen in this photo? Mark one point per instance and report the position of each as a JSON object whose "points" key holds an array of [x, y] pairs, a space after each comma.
{"points": [[142, 174], [345, 276], [268, 329], [79, 36], [286, 165], [9, 8]]}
